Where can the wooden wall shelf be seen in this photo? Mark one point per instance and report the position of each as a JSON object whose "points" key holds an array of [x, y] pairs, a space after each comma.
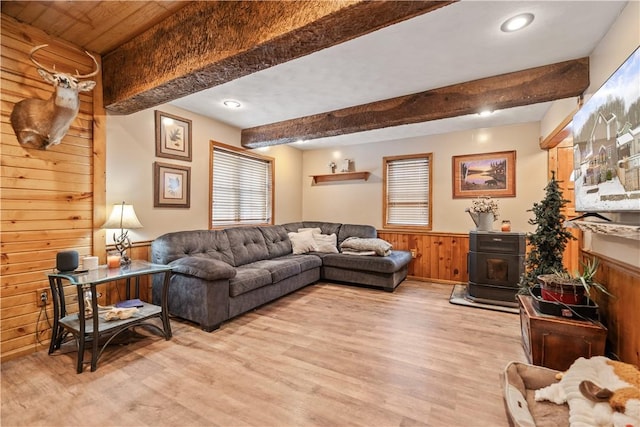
{"points": [[344, 176], [610, 228]]}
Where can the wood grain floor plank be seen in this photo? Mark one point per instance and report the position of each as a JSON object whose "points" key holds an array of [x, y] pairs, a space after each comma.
{"points": [[327, 355]]}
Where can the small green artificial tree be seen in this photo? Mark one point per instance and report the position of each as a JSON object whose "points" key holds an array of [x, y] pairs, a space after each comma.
{"points": [[550, 238]]}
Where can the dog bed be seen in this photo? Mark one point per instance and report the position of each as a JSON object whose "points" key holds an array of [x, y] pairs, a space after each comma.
{"points": [[519, 382]]}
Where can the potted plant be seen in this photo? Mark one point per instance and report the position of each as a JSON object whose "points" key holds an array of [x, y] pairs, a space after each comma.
{"points": [[561, 286]]}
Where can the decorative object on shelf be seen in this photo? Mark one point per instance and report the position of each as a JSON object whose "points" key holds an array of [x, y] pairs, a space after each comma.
{"points": [[333, 166], [549, 239], [173, 136], [506, 225], [90, 262], [113, 259], [88, 308], [123, 217], [346, 165], [489, 174], [172, 186], [40, 123], [483, 212]]}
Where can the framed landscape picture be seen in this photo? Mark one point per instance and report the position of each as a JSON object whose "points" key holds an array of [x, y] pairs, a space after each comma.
{"points": [[488, 174], [173, 136], [172, 186]]}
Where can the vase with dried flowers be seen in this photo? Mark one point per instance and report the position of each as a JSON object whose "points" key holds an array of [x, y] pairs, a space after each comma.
{"points": [[332, 165], [483, 211]]}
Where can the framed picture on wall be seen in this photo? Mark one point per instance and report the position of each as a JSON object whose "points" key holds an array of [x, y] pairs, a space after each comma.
{"points": [[172, 186], [488, 174], [173, 136]]}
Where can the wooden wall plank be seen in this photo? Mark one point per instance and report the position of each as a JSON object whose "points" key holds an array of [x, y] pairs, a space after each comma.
{"points": [[440, 257], [620, 315], [47, 202]]}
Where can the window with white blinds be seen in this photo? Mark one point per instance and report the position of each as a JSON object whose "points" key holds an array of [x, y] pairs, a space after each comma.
{"points": [[407, 191], [241, 187]]}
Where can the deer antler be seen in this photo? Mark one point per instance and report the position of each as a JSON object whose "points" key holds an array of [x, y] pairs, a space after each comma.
{"points": [[39, 65], [53, 70], [84, 76]]}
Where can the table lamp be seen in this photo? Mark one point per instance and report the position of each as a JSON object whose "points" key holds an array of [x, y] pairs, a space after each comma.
{"points": [[123, 217]]}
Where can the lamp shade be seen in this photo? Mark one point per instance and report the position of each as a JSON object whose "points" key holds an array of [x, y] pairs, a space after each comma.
{"points": [[122, 216]]}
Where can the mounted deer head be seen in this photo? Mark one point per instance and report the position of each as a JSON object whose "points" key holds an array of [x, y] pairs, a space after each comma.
{"points": [[40, 123]]}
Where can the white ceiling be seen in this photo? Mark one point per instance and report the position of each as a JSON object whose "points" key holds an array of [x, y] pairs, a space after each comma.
{"points": [[453, 44]]}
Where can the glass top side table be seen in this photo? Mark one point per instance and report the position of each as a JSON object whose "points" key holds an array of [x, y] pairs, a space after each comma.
{"points": [[93, 328]]}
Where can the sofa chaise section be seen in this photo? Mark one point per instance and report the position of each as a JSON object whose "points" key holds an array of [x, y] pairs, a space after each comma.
{"points": [[381, 272]]}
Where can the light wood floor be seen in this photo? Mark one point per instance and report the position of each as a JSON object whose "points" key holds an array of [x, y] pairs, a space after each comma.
{"points": [[327, 355]]}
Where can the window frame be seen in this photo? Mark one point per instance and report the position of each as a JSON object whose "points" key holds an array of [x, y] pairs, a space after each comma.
{"points": [[246, 153], [407, 227]]}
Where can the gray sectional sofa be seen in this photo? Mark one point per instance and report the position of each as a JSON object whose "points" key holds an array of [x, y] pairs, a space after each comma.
{"points": [[219, 274]]}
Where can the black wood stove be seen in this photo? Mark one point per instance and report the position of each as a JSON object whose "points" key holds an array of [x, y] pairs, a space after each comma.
{"points": [[495, 264]]}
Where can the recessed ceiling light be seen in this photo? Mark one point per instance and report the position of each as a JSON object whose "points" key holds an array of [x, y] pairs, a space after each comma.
{"points": [[485, 113], [230, 103], [517, 22]]}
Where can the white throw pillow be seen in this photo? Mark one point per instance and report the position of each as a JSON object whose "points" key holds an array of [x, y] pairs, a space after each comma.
{"points": [[303, 242], [326, 243]]}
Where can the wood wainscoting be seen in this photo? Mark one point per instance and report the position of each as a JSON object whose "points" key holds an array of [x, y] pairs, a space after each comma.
{"points": [[439, 257], [621, 314]]}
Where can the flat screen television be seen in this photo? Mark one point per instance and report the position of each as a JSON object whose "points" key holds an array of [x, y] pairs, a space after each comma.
{"points": [[606, 144]]}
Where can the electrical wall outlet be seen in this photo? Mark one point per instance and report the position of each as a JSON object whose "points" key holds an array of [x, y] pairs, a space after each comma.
{"points": [[414, 253], [42, 297]]}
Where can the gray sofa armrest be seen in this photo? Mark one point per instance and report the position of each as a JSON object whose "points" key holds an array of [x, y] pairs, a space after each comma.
{"points": [[203, 268]]}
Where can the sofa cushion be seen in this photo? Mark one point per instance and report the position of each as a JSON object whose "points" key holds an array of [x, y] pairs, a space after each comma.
{"points": [[326, 243], [280, 268], [303, 242], [293, 226], [326, 227], [247, 245], [356, 230], [381, 264], [209, 243], [204, 268], [247, 279], [305, 261], [277, 240]]}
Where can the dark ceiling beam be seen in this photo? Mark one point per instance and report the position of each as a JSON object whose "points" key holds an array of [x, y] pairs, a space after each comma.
{"points": [[532, 86], [208, 43]]}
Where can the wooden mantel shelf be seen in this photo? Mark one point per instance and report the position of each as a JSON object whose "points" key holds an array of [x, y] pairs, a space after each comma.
{"points": [[611, 229], [344, 176]]}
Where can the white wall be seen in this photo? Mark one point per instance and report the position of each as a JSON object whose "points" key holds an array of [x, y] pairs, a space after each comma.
{"points": [[361, 202], [131, 154], [288, 188]]}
